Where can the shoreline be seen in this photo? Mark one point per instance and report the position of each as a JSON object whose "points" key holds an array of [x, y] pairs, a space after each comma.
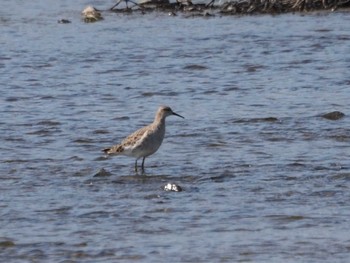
{"points": [[251, 7]]}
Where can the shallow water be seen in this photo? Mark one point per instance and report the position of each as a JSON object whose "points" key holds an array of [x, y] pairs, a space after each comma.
{"points": [[265, 178]]}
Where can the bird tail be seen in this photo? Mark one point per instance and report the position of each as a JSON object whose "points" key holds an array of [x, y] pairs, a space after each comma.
{"points": [[114, 150]]}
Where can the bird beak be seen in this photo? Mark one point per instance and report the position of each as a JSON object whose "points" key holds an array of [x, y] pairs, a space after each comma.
{"points": [[174, 113]]}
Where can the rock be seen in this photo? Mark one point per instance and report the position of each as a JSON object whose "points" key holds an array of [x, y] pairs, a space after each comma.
{"points": [[64, 21], [184, 2], [6, 243], [154, 4], [144, 2], [334, 115], [102, 172], [172, 187], [91, 14]]}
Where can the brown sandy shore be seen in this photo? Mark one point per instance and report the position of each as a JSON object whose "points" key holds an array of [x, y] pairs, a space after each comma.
{"points": [[213, 7]]}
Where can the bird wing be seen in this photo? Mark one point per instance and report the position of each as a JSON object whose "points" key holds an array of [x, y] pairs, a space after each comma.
{"points": [[135, 137], [130, 141]]}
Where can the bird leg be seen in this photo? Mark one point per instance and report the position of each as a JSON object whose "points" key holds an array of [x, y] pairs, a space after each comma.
{"points": [[143, 164], [136, 166]]}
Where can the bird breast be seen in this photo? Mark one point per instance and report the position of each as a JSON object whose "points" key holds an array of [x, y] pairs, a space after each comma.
{"points": [[151, 141]]}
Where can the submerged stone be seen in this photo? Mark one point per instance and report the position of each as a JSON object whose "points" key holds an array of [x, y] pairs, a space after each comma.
{"points": [[334, 115], [64, 21], [102, 172], [172, 187], [7, 243]]}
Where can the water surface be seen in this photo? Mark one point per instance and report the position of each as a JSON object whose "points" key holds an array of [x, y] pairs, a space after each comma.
{"points": [[265, 177]]}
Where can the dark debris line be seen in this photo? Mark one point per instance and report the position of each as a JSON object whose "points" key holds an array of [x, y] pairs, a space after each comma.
{"points": [[230, 7]]}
